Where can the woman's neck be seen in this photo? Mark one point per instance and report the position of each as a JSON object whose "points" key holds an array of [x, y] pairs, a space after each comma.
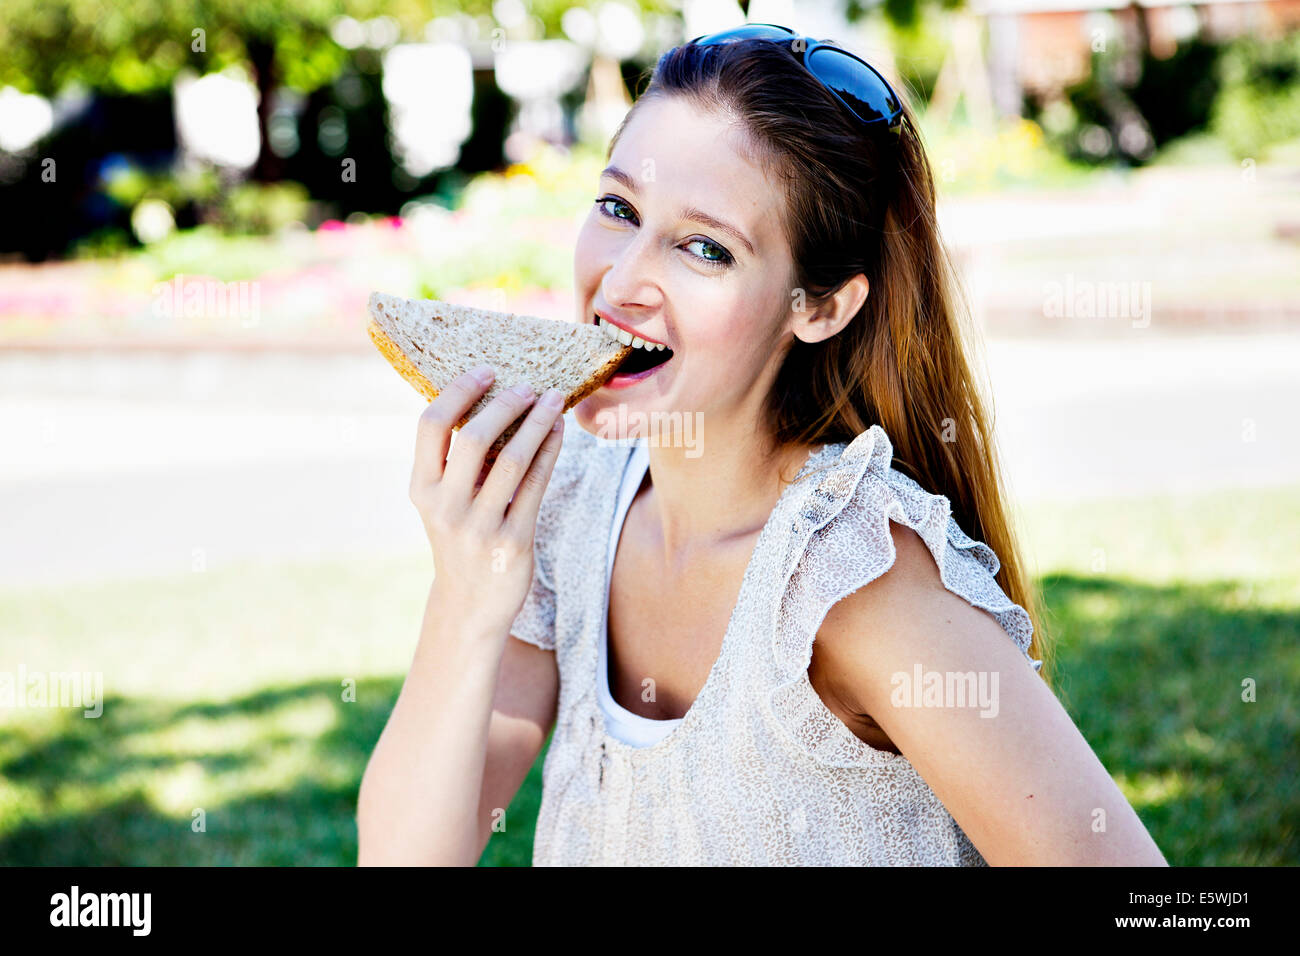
{"points": [[722, 497]]}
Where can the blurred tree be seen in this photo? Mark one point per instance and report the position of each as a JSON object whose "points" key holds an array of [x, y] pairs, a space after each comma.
{"points": [[901, 13], [47, 203], [137, 46]]}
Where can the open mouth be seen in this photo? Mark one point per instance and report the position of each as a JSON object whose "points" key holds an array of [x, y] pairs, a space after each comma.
{"points": [[640, 359]]}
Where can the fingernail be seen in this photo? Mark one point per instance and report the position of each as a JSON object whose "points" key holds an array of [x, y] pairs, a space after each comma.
{"points": [[553, 398], [484, 374], [524, 390]]}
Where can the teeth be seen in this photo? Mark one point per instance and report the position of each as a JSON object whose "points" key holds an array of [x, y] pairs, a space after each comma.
{"points": [[627, 338]]}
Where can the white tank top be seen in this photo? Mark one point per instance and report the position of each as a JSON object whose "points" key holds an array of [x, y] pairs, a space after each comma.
{"points": [[632, 729]]}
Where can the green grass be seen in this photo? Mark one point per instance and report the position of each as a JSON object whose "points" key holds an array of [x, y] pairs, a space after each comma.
{"points": [[1159, 610], [224, 691], [1154, 677]]}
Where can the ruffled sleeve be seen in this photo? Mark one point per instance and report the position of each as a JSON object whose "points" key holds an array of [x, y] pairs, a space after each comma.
{"points": [[841, 542], [535, 623]]}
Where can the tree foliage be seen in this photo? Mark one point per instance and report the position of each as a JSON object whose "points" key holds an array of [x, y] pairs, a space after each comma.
{"points": [[133, 46]]}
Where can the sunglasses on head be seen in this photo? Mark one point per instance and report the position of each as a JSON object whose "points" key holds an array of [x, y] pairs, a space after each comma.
{"points": [[852, 80]]}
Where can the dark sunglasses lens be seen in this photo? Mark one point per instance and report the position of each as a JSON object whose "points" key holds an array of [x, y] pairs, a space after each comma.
{"points": [[856, 83], [752, 31]]}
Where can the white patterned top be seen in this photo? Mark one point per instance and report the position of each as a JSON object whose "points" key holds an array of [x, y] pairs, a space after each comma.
{"points": [[758, 771]]}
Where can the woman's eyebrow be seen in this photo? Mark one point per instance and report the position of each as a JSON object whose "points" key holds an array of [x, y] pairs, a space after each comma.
{"points": [[690, 212]]}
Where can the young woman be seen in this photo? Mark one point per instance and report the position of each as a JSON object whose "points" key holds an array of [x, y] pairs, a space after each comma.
{"points": [[803, 636]]}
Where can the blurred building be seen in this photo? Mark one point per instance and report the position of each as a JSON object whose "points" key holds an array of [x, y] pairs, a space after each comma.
{"points": [[1043, 46]]}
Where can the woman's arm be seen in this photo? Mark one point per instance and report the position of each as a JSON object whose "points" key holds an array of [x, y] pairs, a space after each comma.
{"points": [[419, 799], [456, 737], [523, 713], [468, 724], [1022, 782]]}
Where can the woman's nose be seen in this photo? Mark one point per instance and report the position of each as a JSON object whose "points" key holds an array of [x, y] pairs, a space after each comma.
{"points": [[632, 276]]}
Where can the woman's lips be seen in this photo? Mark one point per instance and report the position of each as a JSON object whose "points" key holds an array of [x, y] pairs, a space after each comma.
{"points": [[624, 380], [628, 379], [597, 315]]}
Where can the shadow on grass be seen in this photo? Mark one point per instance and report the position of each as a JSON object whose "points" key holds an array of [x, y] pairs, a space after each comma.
{"points": [[90, 786], [1153, 676]]}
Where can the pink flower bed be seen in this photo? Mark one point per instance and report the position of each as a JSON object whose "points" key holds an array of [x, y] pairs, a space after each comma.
{"points": [[319, 301]]}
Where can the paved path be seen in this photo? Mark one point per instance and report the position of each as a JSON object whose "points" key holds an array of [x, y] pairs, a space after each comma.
{"points": [[123, 465]]}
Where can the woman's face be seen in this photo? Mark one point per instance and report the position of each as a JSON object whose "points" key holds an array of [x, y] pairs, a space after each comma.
{"points": [[685, 247]]}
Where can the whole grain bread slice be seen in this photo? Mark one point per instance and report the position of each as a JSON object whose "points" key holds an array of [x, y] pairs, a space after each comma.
{"points": [[431, 343]]}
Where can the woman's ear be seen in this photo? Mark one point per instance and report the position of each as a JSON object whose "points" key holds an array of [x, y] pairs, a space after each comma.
{"points": [[820, 323]]}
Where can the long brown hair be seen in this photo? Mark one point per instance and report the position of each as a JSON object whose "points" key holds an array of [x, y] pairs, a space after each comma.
{"points": [[857, 202]]}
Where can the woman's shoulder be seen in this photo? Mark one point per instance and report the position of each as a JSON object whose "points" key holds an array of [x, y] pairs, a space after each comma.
{"points": [[864, 517]]}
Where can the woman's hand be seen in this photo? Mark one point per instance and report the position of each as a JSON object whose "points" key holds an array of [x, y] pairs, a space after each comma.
{"points": [[482, 540]]}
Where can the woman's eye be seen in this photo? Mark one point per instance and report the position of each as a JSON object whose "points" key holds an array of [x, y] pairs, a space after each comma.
{"points": [[713, 253], [606, 201]]}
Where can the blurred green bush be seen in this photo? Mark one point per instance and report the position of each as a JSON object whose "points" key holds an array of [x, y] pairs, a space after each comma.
{"points": [[1243, 93], [261, 209], [195, 196], [919, 51], [128, 184], [205, 250], [1259, 103]]}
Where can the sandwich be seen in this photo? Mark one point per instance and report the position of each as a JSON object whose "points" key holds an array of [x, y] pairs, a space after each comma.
{"points": [[431, 343]]}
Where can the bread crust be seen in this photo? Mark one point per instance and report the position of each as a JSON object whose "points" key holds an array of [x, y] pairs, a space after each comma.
{"points": [[397, 358], [408, 370]]}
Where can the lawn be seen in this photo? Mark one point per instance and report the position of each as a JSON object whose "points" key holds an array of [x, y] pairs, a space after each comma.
{"points": [[230, 692]]}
